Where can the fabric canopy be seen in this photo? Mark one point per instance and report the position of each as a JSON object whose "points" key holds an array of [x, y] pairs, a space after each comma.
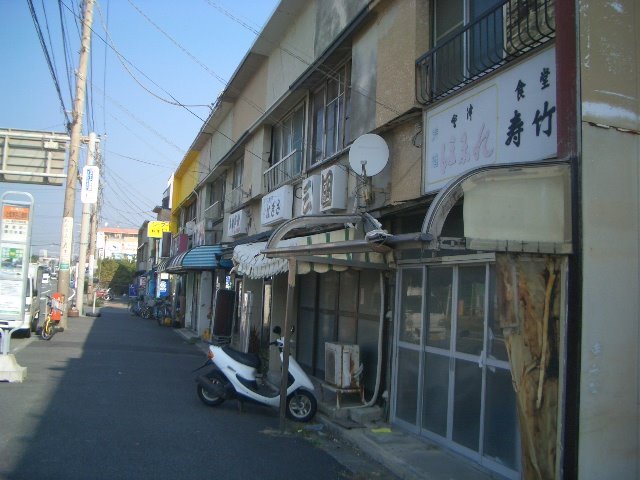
{"points": [[203, 257], [248, 259]]}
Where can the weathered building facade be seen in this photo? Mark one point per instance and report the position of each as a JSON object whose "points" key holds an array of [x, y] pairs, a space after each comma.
{"points": [[496, 300]]}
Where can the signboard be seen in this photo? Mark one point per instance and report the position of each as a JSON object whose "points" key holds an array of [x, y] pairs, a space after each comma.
{"points": [[32, 156], [163, 288], [238, 223], [156, 229], [15, 223], [311, 195], [277, 206], [15, 239], [89, 190], [333, 189], [507, 119]]}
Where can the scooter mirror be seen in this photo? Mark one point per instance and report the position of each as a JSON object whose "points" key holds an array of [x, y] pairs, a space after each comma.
{"points": [[277, 330]]}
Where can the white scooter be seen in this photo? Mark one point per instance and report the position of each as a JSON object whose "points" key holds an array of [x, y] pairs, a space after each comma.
{"points": [[232, 374]]}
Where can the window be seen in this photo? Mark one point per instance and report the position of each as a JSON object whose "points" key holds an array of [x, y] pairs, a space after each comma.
{"points": [[287, 142], [237, 194], [478, 50], [236, 180], [216, 191], [331, 114]]}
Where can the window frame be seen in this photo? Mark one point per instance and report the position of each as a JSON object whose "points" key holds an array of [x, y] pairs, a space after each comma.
{"points": [[326, 121], [281, 149]]}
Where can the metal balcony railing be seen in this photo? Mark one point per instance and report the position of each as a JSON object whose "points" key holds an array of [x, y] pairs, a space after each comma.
{"points": [[286, 169], [499, 36]]}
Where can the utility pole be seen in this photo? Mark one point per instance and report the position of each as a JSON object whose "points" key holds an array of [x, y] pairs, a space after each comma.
{"points": [[84, 230], [66, 239]]}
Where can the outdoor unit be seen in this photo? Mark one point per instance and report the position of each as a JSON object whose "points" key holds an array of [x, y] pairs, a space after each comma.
{"points": [[342, 365]]}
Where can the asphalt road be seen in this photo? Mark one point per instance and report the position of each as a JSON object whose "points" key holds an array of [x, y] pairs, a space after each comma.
{"points": [[113, 397]]}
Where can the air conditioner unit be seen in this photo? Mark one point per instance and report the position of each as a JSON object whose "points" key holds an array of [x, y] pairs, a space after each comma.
{"points": [[342, 365]]}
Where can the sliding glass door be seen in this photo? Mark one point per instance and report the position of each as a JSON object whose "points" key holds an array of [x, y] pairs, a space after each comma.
{"points": [[453, 381]]}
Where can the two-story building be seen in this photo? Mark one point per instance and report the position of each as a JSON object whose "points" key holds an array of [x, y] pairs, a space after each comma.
{"points": [[455, 183]]}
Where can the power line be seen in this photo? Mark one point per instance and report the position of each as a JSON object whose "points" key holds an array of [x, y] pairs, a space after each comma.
{"points": [[48, 58]]}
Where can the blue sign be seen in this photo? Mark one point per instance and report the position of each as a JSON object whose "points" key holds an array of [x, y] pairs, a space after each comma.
{"points": [[163, 288]]}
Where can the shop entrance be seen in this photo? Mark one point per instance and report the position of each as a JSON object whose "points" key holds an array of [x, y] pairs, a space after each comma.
{"points": [[453, 382]]}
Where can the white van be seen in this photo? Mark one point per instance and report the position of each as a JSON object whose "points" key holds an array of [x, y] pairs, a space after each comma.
{"points": [[31, 304]]}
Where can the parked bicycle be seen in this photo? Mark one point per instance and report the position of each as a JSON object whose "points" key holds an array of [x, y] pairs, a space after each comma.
{"points": [[51, 324], [136, 305], [162, 310]]}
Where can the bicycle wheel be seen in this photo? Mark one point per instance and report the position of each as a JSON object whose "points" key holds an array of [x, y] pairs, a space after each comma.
{"points": [[48, 329]]}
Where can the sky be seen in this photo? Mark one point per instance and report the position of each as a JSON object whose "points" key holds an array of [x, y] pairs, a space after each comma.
{"points": [[146, 57]]}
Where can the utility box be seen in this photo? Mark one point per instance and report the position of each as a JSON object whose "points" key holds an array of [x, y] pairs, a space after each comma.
{"points": [[342, 365]]}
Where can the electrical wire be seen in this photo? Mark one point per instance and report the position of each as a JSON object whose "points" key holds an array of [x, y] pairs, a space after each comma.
{"points": [[48, 58]]}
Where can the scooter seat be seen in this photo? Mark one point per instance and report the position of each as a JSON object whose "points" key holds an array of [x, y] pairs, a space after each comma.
{"points": [[249, 359]]}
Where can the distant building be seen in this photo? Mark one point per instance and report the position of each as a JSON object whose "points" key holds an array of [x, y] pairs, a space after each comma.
{"points": [[118, 243]]}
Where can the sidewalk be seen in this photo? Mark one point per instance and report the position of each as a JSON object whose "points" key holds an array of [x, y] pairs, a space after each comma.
{"points": [[405, 455]]}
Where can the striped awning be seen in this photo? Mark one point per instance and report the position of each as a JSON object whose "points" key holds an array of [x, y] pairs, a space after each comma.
{"points": [[249, 260], [203, 257]]}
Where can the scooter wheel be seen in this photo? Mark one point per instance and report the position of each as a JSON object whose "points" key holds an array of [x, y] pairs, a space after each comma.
{"points": [[301, 406], [48, 330], [206, 396]]}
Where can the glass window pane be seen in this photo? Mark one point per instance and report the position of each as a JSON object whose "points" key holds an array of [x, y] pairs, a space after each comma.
{"points": [[307, 289], [318, 127], [495, 341], [439, 284], [466, 404], [407, 385], [298, 128], [449, 14], [470, 326], [275, 148], [326, 333], [369, 298], [411, 306], [331, 128], [333, 87], [436, 393], [287, 133], [500, 422]]}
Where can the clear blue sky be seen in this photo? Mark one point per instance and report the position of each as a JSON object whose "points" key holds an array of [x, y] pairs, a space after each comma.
{"points": [[143, 137]]}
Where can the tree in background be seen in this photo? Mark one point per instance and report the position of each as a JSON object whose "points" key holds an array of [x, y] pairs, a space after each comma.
{"points": [[116, 274]]}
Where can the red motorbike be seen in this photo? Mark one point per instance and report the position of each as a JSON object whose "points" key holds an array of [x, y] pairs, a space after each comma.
{"points": [[104, 293]]}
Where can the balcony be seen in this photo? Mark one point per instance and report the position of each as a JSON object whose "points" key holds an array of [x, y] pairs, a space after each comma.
{"points": [[286, 169], [215, 211], [237, 197], [499, 36]]}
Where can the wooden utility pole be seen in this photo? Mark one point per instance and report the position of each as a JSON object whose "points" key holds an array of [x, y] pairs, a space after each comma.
{"points": [[66, 238]]}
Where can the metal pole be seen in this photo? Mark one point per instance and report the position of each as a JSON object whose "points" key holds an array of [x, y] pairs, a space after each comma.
{"points": [[66, 238], [285, 353], [94, 227], [84, 230]]}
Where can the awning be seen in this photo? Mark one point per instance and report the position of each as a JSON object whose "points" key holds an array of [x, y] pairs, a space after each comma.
{"points": [[162, 266], [203, 257], [249, 260], [514, 207]]}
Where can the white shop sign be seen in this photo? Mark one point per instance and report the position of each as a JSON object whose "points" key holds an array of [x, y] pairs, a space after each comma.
{"points": [[510, 118], [311, 195], [333, 188], [238, 223], [277, 206]]}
